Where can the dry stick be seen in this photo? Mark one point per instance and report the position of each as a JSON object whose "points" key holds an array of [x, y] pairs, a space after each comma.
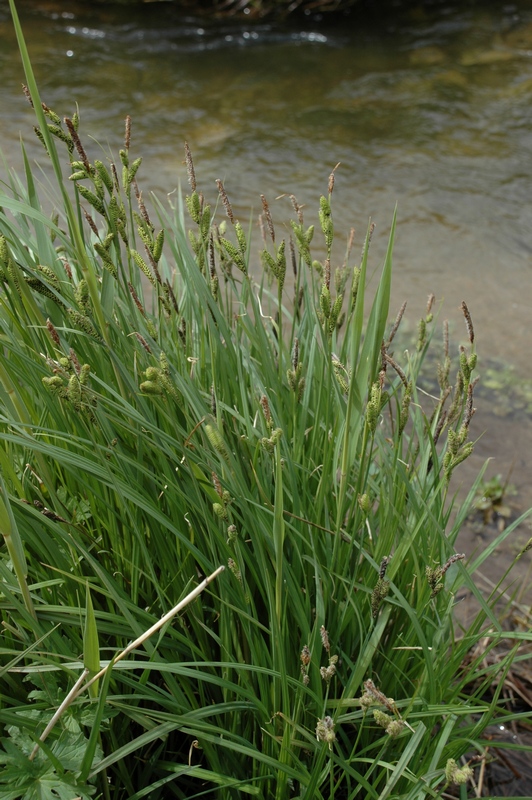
{"points": [[77, 689]]}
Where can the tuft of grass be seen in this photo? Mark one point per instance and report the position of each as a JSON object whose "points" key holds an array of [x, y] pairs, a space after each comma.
{"points": [[167, 409]]}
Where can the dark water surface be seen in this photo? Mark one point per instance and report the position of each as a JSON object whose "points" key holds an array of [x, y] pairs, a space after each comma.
{"points": [[430, 109]]}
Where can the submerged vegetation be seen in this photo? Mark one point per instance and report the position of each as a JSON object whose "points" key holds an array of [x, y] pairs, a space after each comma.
{"points": [[165, 414]]}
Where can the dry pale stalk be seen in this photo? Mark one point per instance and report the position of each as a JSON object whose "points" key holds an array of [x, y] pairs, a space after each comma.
{"points": [[80, 687]]}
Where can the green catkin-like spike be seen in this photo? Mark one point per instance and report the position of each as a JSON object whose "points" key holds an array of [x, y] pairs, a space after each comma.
{"points": [[219, 510], [163, 361], [141, 264], [193, 204], [373, 408], [82, 295], [464, 453], [58, 132], [405, 405], [106, 259], [13, 273], [318, 267], [341, 375], [276, 435], [472, 362], [382, 587], [340, 280], [84, 323], [241, 237], [77, 176], [233, 566], [79, 165], [40, 137], [121, 228], [324, 212], [434, 576], [450, 769], [84, 374], [268, 445], [114, 210], [421, 334], [205, 222], [55, 385], [326, 221], [395, 727], [381, 718], [303, 241], [101, 250], [40, 287], [455, 774], [91, 198], [124, 158], [453, 442], [216, 439], [464, 366], [104, 175], [158, 246], [292, 380], [74, 392], [4, 251], [268, 261], [149, 387], [195, 242], [151, 329], [354, 286], [443, 373], [214, 285], [335, 312], [98, 185], [325, 301], [456, 405], [281, 264], [108, 240], [75, 121], [56, 119], [364, 501], [146, 237], [169, 387], [50, 276], [234, 253], [325, 731]]}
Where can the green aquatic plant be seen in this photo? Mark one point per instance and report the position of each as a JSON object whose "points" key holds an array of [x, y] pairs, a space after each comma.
{"points": [[166, 409]]}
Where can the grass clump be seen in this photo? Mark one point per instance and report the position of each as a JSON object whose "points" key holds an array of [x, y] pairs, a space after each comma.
{"points": [[164, 414]]}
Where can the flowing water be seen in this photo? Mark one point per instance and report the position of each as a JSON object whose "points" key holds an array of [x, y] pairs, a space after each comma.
{"points": [[428, 108]]}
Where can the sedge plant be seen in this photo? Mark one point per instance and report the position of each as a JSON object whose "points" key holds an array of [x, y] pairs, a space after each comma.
{"points": [[168, 407]]}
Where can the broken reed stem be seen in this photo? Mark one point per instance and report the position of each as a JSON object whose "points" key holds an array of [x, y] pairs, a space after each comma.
{"points": [[78, 688]]}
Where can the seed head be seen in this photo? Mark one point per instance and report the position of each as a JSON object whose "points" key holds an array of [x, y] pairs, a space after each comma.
{"points": [[190, 168], [225, 200], [53, 332], [325, 730], [468, 321]]}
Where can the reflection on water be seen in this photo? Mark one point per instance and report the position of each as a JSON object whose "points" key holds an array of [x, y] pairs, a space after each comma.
{"points": [[429, 108]]}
